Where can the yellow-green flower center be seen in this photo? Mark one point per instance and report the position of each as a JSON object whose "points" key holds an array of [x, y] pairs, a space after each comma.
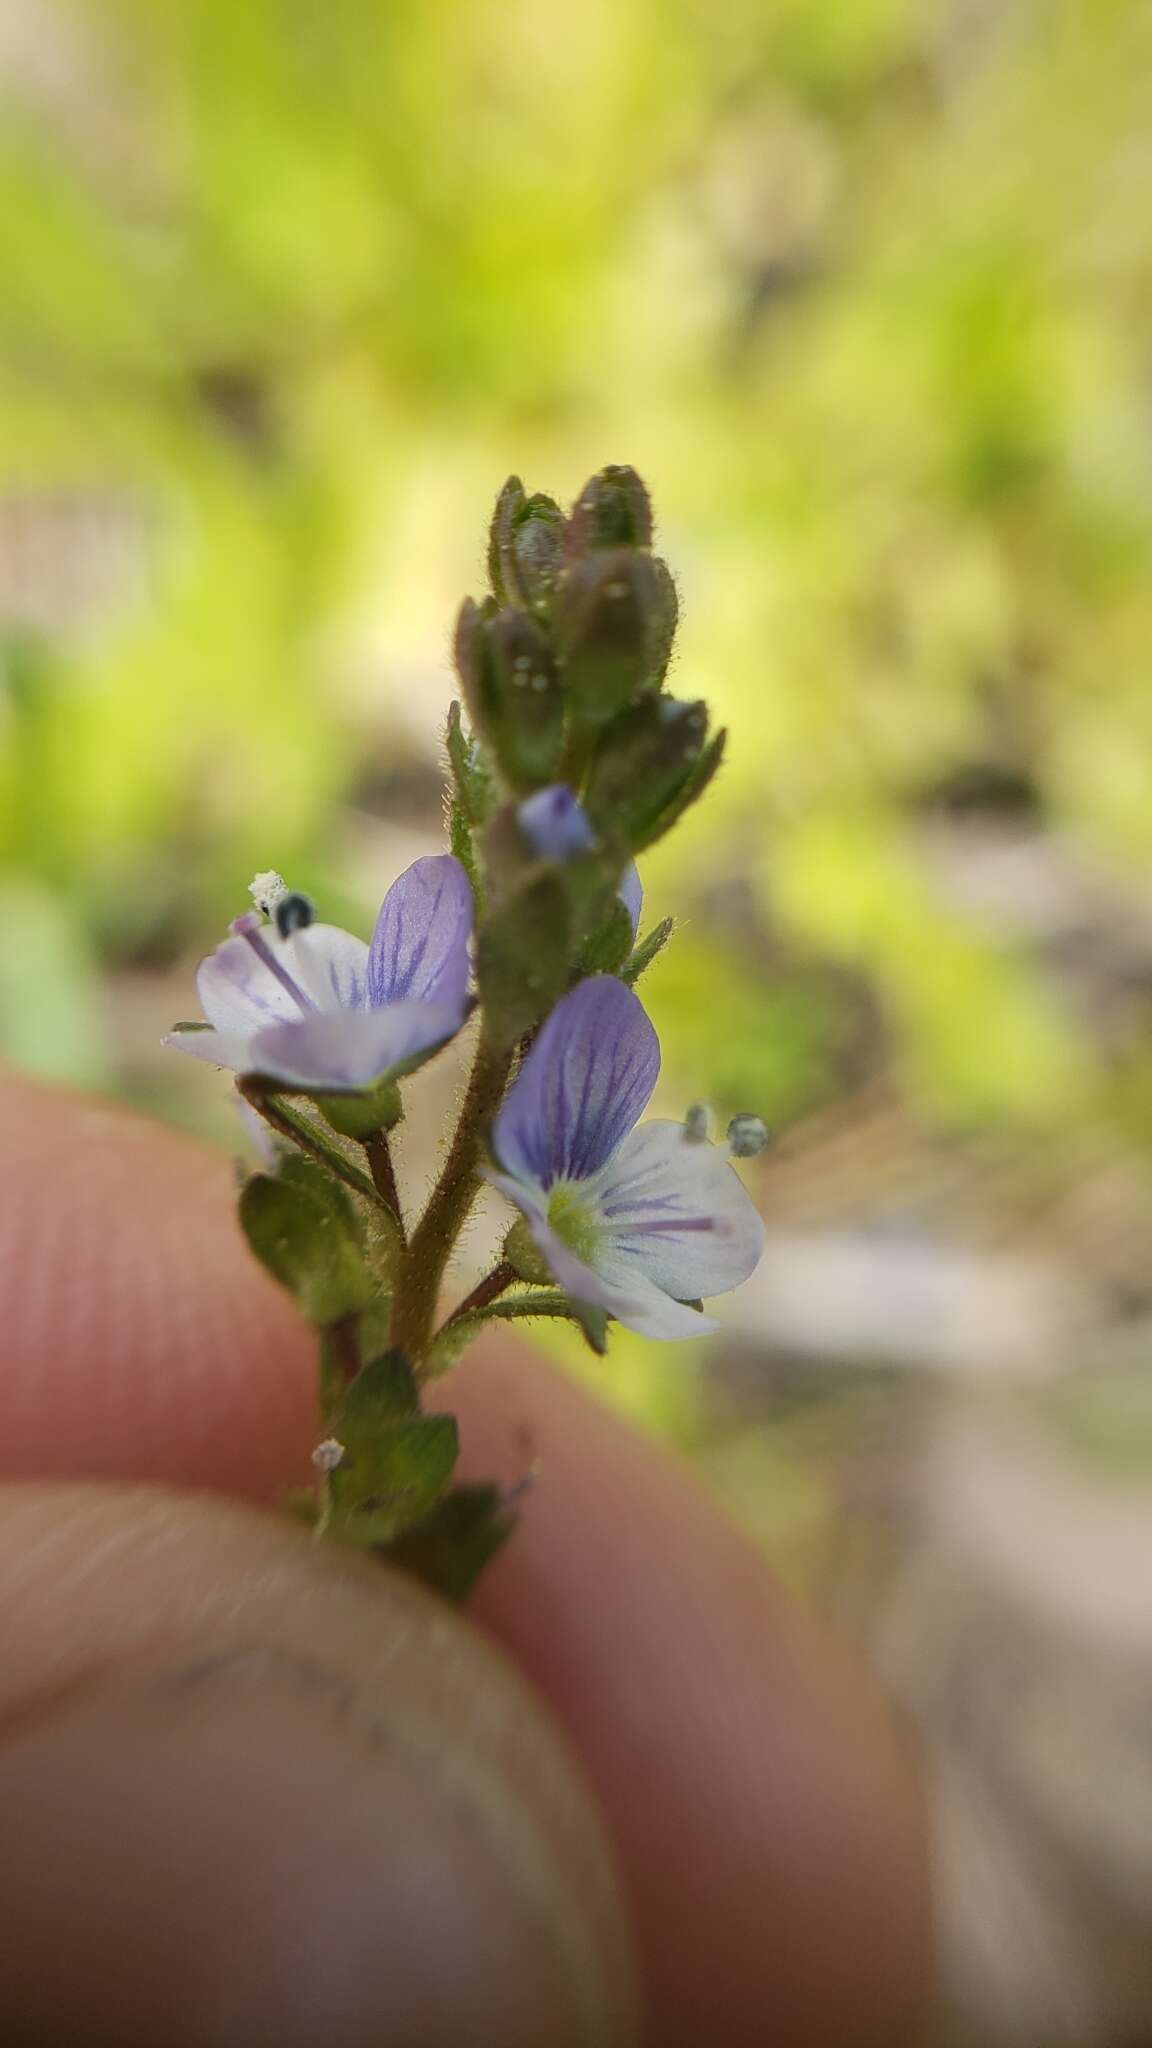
{"points": [[574, 1219]]}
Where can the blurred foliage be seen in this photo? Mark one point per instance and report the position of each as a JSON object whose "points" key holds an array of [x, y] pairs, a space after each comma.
{"points": [[862, 288]]}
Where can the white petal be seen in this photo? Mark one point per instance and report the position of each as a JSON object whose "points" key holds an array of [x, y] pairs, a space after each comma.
{"points": [[220, 1048], [330, 965], [677, 1214], [238, 990], [613, 1284]]}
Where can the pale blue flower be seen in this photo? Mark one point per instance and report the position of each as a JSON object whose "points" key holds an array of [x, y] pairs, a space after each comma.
{"points": [[640, 1222], [321, 1010]]}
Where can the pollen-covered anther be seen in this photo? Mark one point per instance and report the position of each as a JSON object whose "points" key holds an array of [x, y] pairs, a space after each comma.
{"points": [[294, 912], [328, 1454], [747, 1135], [697, 1120], [267, 890]]}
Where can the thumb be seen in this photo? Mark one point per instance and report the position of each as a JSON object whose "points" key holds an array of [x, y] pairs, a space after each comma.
{"points": [[256, 1791]]}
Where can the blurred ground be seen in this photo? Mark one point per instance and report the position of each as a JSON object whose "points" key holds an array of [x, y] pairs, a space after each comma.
{"points": [[864, 288]]}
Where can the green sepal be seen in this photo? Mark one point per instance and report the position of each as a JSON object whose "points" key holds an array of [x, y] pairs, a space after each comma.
{"points": [[304, 1230], [513, 692], [510, 500], [472, 779], [612, 633], [524, 1255], [593, 1324], [612, 511], [643, 955], [610, 944], [451, 1547], [691, 792], [522, 1252], [362, 1116], [523, 952], [643, 763], [397, 1462], [525, 547]]}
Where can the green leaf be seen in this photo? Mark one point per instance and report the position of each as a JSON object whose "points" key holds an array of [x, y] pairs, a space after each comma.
{"points": [[384, 1392], [647, 950], [391, 1478], [451, 1547], [303, 1229], [396, 1462]]}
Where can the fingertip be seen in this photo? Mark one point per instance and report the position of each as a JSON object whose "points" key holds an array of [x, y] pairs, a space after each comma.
{"points": [[267, 1792], [141, 1339], [766, 1809]]}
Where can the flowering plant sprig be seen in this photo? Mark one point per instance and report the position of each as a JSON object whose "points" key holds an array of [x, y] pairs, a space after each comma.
{"points": [[573, 760]]}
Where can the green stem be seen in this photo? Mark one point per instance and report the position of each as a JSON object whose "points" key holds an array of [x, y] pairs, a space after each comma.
{"points": [[434, 1238], [303, 1132]]}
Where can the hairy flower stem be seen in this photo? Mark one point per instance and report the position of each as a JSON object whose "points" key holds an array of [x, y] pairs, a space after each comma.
{"points": [[434, 1238], [485, 1290], [378, 1153], [290, 1124]]}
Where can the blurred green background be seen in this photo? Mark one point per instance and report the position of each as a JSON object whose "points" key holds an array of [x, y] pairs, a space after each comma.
{"points": [[864, 290]]}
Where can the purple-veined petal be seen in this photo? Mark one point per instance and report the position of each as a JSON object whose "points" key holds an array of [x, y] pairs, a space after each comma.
{"points": [[239, 991], [350, 1048], [611, 1284], [419, 950], [219, 1048], [330, 965], [554, 823], [631, 894], [676, 1214], [582, 1087]]}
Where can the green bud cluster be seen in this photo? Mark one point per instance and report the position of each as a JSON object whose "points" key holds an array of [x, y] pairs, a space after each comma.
{"points": [[562, 666]]}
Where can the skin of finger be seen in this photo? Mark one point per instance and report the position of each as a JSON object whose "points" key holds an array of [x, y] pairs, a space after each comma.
{"points": [[766, 1815], [766, 1810], [254, 1788]]}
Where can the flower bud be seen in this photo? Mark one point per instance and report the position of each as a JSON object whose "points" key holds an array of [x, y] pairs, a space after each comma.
{"points": [[512, 690], [645, 761], [612, 511], [747, 1135], [613, 632], [525, 547]]}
